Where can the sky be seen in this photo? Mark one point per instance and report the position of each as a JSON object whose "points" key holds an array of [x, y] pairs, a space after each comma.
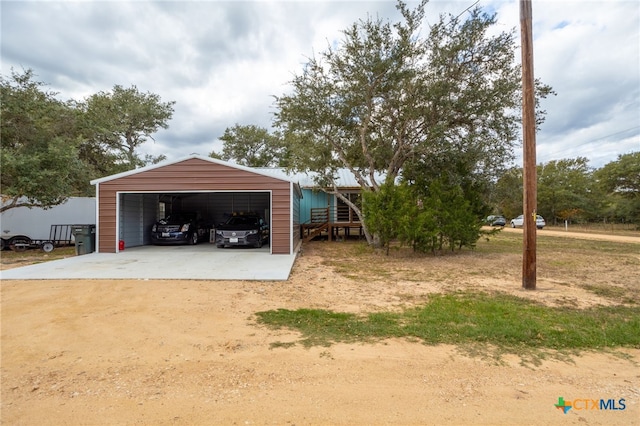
{"points": [[223, 62]]}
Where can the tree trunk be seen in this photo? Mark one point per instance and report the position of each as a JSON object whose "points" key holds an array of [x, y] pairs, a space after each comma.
{"points": [[372, 240]]}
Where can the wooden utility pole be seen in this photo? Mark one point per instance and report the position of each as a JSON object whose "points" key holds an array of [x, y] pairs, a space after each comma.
{"points": [[530, 186]]}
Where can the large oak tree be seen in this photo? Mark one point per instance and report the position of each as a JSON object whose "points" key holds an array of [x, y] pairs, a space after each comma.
{"points": [[116, 123], [39, 161], [620, 179], [51, 149], [392, 99], [252, 146]]}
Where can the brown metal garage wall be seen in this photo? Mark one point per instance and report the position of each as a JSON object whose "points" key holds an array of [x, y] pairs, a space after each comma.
{"points": [[195, 175]]}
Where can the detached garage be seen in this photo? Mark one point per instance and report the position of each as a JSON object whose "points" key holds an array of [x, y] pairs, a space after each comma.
{"points": [[129, 203]]}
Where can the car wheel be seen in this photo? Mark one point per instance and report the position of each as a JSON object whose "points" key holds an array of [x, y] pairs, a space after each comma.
{"points": [[194, 239], [220, 245]]}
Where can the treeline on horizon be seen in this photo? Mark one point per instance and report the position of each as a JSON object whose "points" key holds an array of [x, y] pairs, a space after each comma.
{"points": [[52, 149]]}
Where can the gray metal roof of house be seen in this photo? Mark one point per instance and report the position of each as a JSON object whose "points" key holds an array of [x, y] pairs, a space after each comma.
{"points": [[344, 178]]}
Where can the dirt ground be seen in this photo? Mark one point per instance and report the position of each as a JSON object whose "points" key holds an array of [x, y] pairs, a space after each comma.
{"points": [[144, 352]]}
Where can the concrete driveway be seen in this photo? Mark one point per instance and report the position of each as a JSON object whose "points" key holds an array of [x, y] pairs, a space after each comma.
{"points": [[200, 262]]}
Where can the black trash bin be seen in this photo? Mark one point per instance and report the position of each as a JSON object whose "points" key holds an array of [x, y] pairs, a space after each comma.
{"points": [[85, 236]]}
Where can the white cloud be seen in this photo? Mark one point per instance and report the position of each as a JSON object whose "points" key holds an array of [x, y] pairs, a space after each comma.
{"points": [[222, 61]]}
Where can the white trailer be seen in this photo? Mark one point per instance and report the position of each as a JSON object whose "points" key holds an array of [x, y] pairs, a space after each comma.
{"points": [[23, 227]]}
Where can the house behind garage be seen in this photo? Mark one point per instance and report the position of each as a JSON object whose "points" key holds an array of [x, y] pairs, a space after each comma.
{"points": [[129, 203]]}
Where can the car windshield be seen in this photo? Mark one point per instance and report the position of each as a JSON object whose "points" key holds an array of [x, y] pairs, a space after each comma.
{"points": [[243, 220], [179, 217]]}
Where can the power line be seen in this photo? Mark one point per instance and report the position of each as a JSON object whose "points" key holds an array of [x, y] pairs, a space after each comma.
{"points": [[478, 1], [612, 134], [577, 146]]}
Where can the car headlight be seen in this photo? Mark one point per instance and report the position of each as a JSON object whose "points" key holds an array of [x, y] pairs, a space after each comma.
{"points": [[219, 232], [253, 231], [184, 228], [153, 228]]}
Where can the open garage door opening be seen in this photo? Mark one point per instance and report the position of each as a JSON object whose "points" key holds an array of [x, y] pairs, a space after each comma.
{"points": [[142, 216]]}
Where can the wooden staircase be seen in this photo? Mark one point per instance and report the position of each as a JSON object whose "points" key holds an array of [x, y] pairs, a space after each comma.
{"points": [[319, 223], [315, 232]]}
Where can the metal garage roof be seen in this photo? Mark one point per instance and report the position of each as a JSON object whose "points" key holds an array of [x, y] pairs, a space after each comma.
{"points": [[259, 171]]}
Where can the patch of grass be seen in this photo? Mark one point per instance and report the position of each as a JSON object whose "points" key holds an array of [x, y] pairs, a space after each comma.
{"points": [[320, 327], [509, 321], [361, 249], [284, 345], [606, 291], [563, 263], [495, 256], [611, 292], [31, 256], [513, 324], [411, 298], [499, 243], [354, 271], [600, 228], [576, 245]]}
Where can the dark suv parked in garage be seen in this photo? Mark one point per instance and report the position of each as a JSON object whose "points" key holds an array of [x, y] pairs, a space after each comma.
{"points": [[180, 228], [242, 230]]}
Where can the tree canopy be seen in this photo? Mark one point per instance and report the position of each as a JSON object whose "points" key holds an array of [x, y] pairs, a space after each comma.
{"points": [[622, 176], [252, 146], [620, 180], [51, 149], [118, 122], [389, 100], [564, 188], [39, 161], [568, 189]]}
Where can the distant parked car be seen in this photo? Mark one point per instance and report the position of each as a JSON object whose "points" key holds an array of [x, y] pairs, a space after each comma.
{"points": [[180, 228], [242, 230], [519, 221], [496, 220]]}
